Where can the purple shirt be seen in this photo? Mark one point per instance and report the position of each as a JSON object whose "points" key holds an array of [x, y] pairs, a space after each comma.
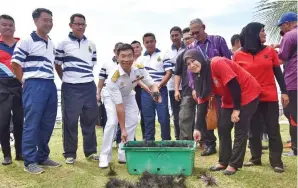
{"points": [[288, 54], [214, 45]]}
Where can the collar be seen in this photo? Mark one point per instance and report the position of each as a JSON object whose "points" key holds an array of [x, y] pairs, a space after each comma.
{"points": [[36, 38], [156, 51], [72, 37], [15, 38], [208, 38], [183, 46], [121, 71]]}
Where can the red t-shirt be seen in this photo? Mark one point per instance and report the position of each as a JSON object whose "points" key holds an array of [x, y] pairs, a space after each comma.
{"points": [[224, 70], [261, 66]]}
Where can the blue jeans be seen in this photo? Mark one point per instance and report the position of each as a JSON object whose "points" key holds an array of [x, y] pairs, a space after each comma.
{"points": [[40, 111], [148, 109]]}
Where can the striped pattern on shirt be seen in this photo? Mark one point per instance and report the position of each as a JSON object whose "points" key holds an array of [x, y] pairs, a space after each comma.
{"points": [[77, 58], [36, 56], [156, 65]]}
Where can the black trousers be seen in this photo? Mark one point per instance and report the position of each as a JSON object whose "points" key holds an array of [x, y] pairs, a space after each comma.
{"points": [[270, 112], [138, 91], [79, 100], [207, 135], [175, 106], [228, 155], [11, 107], [292, 108]]}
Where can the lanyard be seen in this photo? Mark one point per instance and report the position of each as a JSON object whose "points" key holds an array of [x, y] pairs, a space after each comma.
{"points": [[206, 49]]}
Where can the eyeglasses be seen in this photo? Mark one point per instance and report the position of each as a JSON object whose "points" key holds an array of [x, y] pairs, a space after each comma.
{"points": [[80, 24]]}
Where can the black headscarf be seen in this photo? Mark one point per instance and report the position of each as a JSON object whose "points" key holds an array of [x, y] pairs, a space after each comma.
{"points": [[250, 38], [203, 80]]}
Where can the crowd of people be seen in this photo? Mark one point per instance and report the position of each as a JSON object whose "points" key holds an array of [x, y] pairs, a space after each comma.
{"points": [[196, 69]]}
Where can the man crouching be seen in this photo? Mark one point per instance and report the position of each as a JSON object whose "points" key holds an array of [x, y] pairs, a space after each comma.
{"points": [[120, 102]]}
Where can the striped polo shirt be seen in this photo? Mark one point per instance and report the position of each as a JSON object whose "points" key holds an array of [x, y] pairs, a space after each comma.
{"points": [[107, 68], [156, 65], [172, 55], [5, 59], [77, 57], [36, 56]]}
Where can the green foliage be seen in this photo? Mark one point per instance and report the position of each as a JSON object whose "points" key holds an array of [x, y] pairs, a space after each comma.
{"points": [[268, 12]]}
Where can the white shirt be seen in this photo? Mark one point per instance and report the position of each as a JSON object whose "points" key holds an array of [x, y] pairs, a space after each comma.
{"points": [[172, 55], [77, 58], [156, 65], [36, 56], [119, 84], [106, 69]]}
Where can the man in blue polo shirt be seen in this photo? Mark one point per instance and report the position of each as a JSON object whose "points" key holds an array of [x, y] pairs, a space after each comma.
{"points": [[10, 92], [33, 62], [75, 59], [160, 69]]}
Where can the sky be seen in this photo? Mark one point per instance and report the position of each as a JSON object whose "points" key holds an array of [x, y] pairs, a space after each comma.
{"points": [[112, 21]]}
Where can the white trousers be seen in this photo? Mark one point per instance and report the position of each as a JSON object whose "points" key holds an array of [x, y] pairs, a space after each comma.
{"points": [[131, 121]]}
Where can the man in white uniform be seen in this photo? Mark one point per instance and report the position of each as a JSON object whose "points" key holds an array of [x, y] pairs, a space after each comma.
{"points": [[121, 105]]}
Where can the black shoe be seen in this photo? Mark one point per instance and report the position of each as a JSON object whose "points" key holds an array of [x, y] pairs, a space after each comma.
{"points": [[7, 161], [278, 169], [248, 164], [228, 173], [217, 168], [19, 158], [209, 151]]}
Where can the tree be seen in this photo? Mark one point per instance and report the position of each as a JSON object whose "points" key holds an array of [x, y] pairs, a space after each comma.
{"points": [[269, 11]]}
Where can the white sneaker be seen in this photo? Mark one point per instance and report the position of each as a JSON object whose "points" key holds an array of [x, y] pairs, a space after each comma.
{"points": [[103, 164], [121, 159]]}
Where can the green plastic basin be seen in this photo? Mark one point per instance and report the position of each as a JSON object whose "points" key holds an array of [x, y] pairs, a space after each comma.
{"points": [[160, 157]]}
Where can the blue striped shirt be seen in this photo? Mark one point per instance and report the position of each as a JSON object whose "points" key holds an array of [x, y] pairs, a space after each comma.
{"points": [[107, 68], [172, 55], [36, 56], [77, 58], [156, 65]]}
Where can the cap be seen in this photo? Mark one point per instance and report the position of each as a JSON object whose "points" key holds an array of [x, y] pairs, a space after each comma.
{"points": [[287, 17]]}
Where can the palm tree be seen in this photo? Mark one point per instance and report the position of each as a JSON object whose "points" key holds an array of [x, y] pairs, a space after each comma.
{"points": [[269, 11]]}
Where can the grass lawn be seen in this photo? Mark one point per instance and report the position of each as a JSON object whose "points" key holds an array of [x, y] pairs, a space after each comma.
{"points": [[87, 174]]}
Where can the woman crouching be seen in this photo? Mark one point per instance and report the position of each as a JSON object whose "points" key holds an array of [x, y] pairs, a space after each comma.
{"points": [[239, 91]]}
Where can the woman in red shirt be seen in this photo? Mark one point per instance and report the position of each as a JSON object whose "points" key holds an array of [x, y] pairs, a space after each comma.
{"points": [[263, 64], [239, 91]]}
